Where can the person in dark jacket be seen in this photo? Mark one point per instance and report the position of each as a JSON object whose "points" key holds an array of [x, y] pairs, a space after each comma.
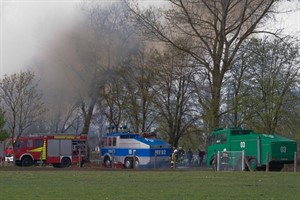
{"points": [[201, 157], [190, 156]]}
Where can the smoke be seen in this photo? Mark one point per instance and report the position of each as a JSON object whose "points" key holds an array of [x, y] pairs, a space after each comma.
{"points": [[70, 46], [28, 26]]}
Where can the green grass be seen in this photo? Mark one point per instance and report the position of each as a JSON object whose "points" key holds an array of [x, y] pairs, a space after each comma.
{"points": [[154, 185]]}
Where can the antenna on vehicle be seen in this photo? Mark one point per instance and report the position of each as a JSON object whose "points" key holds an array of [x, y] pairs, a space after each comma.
{"points": [[124, 128], [111, 128]]}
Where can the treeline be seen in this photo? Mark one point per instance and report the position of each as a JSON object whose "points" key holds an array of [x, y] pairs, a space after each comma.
{"points": [[180, 69]]}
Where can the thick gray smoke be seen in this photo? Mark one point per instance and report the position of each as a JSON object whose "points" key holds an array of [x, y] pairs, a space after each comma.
{"points": [[28, 26], [31, 33], [49, 38], [68, 45]]}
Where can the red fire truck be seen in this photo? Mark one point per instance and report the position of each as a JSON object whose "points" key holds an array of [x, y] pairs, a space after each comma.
{"points": [[57, 150]]}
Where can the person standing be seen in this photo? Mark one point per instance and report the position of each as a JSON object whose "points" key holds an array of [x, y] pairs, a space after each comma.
{"points": [[174, 159], [190, 157], [224, 160], [201, 157]]}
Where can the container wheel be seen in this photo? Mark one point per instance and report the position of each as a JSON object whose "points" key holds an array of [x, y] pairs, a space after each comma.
{"points": [[65, 162], [26, 161], [276, 168], [252, 163]]}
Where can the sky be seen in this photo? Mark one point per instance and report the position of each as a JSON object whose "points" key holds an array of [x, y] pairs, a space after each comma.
{"points": [[27, 26]]}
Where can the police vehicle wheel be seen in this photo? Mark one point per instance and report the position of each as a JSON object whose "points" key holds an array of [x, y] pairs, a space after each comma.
{"points": [[107, 162], [27, 161], [128, 163], [137, 163]]}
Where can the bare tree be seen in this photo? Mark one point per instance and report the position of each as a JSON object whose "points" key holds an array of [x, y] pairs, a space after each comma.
{"points": [[83, 58], [174, 96], [237, 90], [113, 45], [113, 101], [21, 101], [209, 31], [138, 77], [109, 43], [3, 133], [68, 119]]}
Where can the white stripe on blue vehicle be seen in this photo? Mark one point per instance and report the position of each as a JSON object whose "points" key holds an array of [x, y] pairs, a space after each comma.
{"points": [[148, 152]]}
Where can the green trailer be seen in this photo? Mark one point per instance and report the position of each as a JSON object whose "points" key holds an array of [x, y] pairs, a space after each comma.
{"points": [[258, 149]]}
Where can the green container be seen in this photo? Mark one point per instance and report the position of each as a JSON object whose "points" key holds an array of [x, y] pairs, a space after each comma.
{"points": [[258, 148]]}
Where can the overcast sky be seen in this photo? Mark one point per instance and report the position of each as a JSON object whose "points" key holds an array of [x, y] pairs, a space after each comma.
{"points": [[27, 26]]}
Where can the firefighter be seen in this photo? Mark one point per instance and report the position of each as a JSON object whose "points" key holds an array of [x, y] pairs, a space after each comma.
{"points": [[174, 159], [224, 160]]}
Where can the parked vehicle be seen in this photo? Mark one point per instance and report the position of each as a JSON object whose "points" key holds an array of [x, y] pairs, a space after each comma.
{"points": [[57, 150], [9, 152], [257, 147], [133, 151]]}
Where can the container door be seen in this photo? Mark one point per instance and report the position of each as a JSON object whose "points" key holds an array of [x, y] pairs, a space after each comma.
{"points": [[283, 151]]}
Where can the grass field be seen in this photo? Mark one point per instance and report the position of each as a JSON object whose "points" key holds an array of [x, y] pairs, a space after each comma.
{"points": [[154, 185]]}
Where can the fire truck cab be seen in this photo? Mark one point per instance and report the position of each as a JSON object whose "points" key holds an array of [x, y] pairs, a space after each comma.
{"points": [[57, 150]]}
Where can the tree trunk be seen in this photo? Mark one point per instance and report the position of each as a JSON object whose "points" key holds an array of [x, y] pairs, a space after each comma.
{"points": [[215, 98], [88, 117]]}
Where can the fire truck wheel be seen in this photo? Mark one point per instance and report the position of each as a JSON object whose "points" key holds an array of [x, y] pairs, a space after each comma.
{"points": [[26, 161], [82, 163], [65, 162], [55, 165]]}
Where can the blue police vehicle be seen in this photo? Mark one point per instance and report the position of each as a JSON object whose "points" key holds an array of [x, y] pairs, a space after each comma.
{"points": [[134, 151]]}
